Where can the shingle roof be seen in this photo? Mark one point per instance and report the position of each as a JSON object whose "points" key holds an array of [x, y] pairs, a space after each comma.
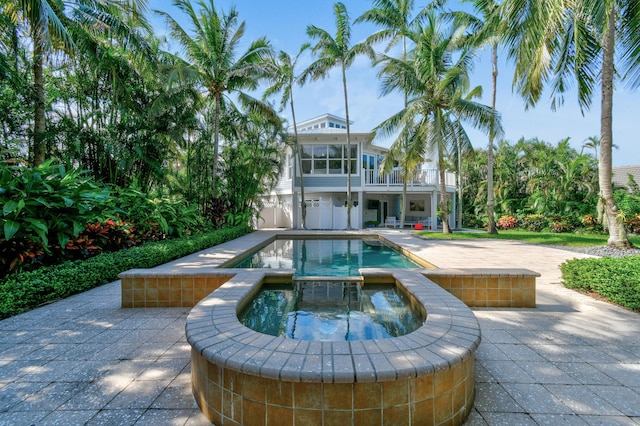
{"points": [[621, 175]]}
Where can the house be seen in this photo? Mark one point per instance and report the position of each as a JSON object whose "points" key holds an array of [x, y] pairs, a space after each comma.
{"points": [[376, 198], [620, 178]]}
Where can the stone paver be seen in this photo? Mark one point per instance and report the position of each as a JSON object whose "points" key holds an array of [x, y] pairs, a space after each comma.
{"points": [[572, 360]]}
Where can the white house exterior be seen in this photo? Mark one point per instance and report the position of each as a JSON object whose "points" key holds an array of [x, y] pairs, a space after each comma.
{"points": [[376, 197]]}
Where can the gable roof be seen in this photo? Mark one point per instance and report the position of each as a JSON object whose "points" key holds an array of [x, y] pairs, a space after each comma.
{"points": [[621, 174]]}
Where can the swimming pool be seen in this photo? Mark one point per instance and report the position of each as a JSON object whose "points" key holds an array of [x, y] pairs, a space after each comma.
{"points": [[331, 311], [325, 257]]}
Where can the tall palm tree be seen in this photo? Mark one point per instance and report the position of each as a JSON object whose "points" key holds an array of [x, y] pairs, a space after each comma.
{"points": [[394, 16], [463, 144], [284, 77], [488, 30], [438, 70], [337, 52], [50, 25], [556, 40], [213, 61]]}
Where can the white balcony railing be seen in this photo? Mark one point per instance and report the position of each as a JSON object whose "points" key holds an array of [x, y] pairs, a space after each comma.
{"points": [[428, 177]]}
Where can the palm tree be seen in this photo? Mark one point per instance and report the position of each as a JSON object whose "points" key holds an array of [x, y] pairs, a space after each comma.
{"points": [[337, 52], [434, 79], [284, 77], [593, 142], [463, 144], [213, 61], [394, 16], [488, 30], [555, 40], [49, 23]]}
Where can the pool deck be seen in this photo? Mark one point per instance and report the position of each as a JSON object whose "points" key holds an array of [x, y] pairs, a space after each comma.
{"points": [[85, 360]]}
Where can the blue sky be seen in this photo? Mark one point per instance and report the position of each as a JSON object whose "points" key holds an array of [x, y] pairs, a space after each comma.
{"points": [[284, 23]]}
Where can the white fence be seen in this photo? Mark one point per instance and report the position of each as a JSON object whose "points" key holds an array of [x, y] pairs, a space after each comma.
{"points": [[323, 214]]}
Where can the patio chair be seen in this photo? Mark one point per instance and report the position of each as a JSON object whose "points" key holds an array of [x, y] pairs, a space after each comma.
{"points": [[391, 221]]}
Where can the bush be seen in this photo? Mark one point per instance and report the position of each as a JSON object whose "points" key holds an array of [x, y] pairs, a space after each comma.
{"points": [[20, 292], [47, 205], [633, 224], [617, 279], [507, 222], [472, 221], [534, 222], [590, 222], [154, 218], [561, 224], [52, 213]]}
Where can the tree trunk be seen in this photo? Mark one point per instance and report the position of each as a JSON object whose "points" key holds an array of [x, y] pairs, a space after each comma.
{"points": [[216, 144], [459, 180], [403, 212], [303, 204], [617, 232], [490, 196], [444, 202], [346, 108], [39, 124]]}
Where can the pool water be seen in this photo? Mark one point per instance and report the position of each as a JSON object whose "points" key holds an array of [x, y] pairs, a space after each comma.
{"points": [[331, 311], [325, 257]]}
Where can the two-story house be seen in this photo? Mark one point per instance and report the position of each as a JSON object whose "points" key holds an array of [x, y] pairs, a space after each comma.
{"points": [[376, 197]]}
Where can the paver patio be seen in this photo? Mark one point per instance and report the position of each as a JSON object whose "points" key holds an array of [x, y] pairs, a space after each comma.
{"points": [[571, 360]]}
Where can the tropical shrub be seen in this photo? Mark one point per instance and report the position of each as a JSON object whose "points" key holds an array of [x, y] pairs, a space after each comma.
{"points": [[51, 214], [507, 222], [590, 222], [633, 224], [22, 291], [154, 218], [533, 222], [47, 205], [472, 221], [627, 202], [560, 224], [617, 279]]}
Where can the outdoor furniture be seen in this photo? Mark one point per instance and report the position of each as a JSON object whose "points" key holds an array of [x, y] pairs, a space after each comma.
{"points": [[391, 221], [412, 221]]}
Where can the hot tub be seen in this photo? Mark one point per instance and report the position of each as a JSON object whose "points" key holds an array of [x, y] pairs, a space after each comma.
{"points": [[243, 377]]}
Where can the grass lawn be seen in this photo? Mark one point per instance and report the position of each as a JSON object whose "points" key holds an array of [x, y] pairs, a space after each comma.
{"points": [[567, 239]]}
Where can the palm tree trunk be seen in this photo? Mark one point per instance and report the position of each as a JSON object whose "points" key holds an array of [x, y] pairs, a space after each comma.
{"points": [[459, 206], [346, 108], [617, 232], [303, 204], [39, 124], [216, 144], [403, 212], [492, 229], [444, 202]]}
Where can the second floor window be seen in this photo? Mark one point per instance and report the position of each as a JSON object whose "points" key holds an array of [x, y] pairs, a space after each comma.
{"points": [[326, 159]]}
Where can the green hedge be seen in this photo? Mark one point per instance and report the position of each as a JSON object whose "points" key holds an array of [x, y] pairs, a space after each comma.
{"points": [[23, 291], [617, 279]]}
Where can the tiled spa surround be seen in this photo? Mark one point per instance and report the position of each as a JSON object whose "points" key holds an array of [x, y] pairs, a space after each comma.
{"points": [[242, 377]]}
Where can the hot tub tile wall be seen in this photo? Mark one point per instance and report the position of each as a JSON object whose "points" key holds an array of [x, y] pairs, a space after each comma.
{"points": [[425, 377], [444, 397]]}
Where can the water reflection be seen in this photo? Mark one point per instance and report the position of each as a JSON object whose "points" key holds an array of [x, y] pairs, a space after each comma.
{"points": [[322, 257], [331, 311]]}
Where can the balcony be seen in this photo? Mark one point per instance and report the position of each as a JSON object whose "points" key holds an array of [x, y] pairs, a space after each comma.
{"points": [[423, 178]]}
